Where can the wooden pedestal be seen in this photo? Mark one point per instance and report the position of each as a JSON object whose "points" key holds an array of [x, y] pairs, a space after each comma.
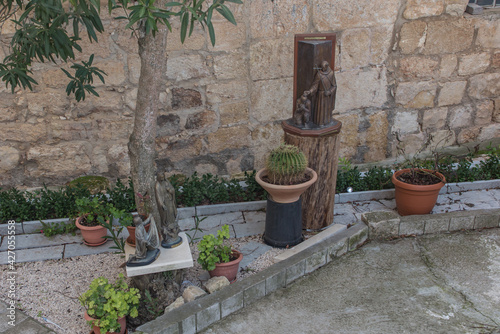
{"points": [[321, 147]]}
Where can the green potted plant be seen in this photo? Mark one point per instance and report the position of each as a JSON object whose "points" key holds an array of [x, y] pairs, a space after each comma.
{"points": [[92, 215], [107, 305], [218, 258], [417, 188], [285, 178], [286, 175]]}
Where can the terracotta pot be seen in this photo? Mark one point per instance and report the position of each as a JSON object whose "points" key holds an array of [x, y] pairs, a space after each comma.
{"points": [[285, 194], [92, 235], [131, 231], [95, 329], [414, 199], [229, 269]]}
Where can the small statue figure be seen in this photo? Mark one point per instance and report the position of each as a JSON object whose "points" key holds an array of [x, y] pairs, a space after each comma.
{"points": [[325, 88], [302, 111], [146, 243], [165, 200]]}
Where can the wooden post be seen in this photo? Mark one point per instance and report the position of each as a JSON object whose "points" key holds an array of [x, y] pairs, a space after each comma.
{"points": [[321, 147]]}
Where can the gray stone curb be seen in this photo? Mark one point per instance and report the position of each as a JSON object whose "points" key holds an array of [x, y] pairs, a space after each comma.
{"points": [[389, 225], [206, 210], [199, 314]]}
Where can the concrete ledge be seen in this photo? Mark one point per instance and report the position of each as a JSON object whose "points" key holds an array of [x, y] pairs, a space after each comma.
{"points": [[201, 313], [389, 225]]}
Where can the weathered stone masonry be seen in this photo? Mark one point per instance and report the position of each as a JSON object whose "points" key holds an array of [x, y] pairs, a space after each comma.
{"points": [[406, 65]]}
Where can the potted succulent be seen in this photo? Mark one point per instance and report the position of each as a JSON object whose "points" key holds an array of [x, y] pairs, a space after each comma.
{"points": [[107, 305], [218, 258], [417, 188], [285, 178], [286, 175], [92, 215]]}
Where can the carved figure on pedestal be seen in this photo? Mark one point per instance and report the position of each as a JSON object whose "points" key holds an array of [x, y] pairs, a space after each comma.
{"points": [[165, 200], [146, 243], [302, 111], [324, 89]]}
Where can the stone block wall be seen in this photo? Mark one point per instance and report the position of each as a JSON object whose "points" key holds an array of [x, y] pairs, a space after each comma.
{"points": [[402, 65]]}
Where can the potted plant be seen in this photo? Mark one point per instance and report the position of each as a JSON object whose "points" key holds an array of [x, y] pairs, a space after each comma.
{"points": [[107, 305], [217, 257], [92, 215], [286, 175], [417, 188], [285, 178]]}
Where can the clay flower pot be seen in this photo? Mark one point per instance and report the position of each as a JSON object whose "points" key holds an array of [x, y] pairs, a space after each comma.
{"points": [[92, 235], [414, 199], [131, 231], [229, 269], [285, 194], [95, 329]]}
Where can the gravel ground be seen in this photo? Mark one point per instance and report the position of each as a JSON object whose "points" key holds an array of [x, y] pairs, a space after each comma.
{"points": [[51, 288]]}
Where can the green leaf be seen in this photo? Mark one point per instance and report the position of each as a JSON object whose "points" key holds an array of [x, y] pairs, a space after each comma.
{"points": [[184, 26], [224, 11], [211, 32]]}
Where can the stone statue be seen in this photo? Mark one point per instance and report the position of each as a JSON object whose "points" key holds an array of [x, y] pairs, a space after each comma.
{"points": [[165, 200], [146, 243], [302, 111], [324, 89]]}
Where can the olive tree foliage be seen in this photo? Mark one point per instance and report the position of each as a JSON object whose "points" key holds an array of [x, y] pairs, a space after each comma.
{"points": [[50, 31]]}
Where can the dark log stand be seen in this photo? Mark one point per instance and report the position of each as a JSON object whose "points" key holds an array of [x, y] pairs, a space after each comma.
{"points": [[320, 146]]}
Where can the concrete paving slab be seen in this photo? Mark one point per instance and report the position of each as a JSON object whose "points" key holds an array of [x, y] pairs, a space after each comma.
{"points": [[25, 241], [370, 206], [252, 251], [254, 216], [343, 209], [216, 221], [248, 229], [4, 228], [348, 219], [428, 284], [34, 254], [170, 259], [79, 249]]}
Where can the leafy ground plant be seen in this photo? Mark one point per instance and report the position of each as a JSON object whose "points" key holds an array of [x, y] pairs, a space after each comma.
{"points": [[50, 229]]}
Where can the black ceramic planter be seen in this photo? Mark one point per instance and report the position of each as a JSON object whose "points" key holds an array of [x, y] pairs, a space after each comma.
{"points": [[283, 223]]}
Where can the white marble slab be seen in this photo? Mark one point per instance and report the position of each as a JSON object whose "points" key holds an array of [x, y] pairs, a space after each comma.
{"points": [[170, 259]]}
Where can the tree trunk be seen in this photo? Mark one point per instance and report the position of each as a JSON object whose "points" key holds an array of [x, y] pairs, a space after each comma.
{"points": [[142, 150], [318, 201]]}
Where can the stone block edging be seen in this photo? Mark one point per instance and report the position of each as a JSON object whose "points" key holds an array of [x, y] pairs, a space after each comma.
{"points": [[390, 225], [201, 313]]}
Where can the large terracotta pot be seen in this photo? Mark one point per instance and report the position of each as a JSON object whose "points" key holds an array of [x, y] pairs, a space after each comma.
{"points": [[92, 235], [229, 269], [285, 194], [122, 321], [415, 199]]}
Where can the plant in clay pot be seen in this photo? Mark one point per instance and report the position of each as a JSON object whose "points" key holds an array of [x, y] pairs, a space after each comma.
{"points": [[417, 188], [108, 304], [285, 178], [286, 175], [92, 215], [218, 258]]}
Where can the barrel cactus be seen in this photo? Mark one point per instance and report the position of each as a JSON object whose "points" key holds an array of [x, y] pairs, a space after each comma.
{"points": [[286, 165]]}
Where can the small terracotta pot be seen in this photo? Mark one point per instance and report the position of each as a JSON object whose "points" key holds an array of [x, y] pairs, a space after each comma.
{"points": [[92, 235], [131, 232], [285, 194], [229, 269], [414, 199], [95, 329]]}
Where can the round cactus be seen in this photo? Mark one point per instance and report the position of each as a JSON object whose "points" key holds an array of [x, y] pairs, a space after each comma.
{"points": [[286, 165]]}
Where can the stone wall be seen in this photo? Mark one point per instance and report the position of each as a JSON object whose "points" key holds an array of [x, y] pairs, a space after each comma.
{"points": [[402, 65]]}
